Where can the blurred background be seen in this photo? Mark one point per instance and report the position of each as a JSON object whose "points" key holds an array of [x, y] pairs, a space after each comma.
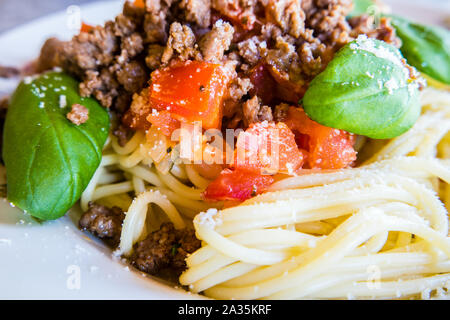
{"points": [[17, 12]]}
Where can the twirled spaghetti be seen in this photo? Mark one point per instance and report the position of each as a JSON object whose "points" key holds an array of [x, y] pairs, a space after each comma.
{"points": [[378, 230]]}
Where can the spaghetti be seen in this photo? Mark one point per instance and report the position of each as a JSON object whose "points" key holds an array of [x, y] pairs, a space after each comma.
{"points": [[379, 230]]}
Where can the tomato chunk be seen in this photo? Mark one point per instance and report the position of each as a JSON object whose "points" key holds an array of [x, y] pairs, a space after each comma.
{"points": [[86, 27], [139, 3], [268, 147], [327, 148], [243, 20], [164, 121], [190, 91], [263, 83], [237, 185]]}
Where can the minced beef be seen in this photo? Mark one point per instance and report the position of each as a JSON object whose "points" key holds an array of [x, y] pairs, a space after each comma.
{"points": [[50, 55], [292, 39], [164, 248], [123, 134], [255, 112], [288, 15], [105, 223], [365, 24], [181, 43], [214, 43], [197, 11], [79, 114]]}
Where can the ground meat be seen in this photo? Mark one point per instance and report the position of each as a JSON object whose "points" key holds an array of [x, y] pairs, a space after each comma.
{"points": [[8, 72], [105, 223], [122, 102], [78, 115], [134, 13], [131, 46], [254, 112], [365, 24], [90, 50], [280, 112], [283, 59], [187, 244], [108, 60], [102, 84], [288, 15], [181, 42], [249, 50], [156, 20], [328, 19], [123, 134], [293, 40], [197, 11], [239, 87], [232, 108], [138, 111], [132, 76], [50, 55], [154, 56], [164, 248], [214, 43], [310, 58]]}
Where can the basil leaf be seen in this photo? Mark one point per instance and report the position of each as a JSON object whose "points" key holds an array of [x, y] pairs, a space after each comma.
{"points": [[365, 90], [49, 160], [360, 7], [425, 47]]}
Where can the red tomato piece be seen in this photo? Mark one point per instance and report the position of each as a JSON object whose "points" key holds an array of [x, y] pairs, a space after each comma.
{"points": [[164, 121], [231, 10], [327, 148], [268, 146], [190, 91], [237, 185], [86, 27], [139, 3], [263, 83]]}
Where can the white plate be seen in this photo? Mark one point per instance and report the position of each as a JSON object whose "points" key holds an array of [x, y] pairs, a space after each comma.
{"points": [[45, 261]]}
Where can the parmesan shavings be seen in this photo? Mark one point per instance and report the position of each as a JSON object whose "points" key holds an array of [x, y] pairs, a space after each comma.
{"points": [[207, 218]]}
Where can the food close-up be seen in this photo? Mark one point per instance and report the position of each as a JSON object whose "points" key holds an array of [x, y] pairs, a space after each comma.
{"points": [[238, 149]]}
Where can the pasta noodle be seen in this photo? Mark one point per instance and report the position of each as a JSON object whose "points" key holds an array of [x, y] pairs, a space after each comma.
{"points": [[379, 230]]}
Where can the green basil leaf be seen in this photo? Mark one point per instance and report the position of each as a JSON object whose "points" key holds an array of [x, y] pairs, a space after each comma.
{"points": [[49, 160], [365, 90], [425, 47], [360, 7]]}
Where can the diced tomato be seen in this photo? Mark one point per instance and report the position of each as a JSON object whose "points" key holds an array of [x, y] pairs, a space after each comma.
{"points": [[86, 27], [286, 89], [269, 84], [233, 11], [269, 147], [237, 185], [191, 91], [164, 121], [263, 83], [139, 3], [327, 148]]}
